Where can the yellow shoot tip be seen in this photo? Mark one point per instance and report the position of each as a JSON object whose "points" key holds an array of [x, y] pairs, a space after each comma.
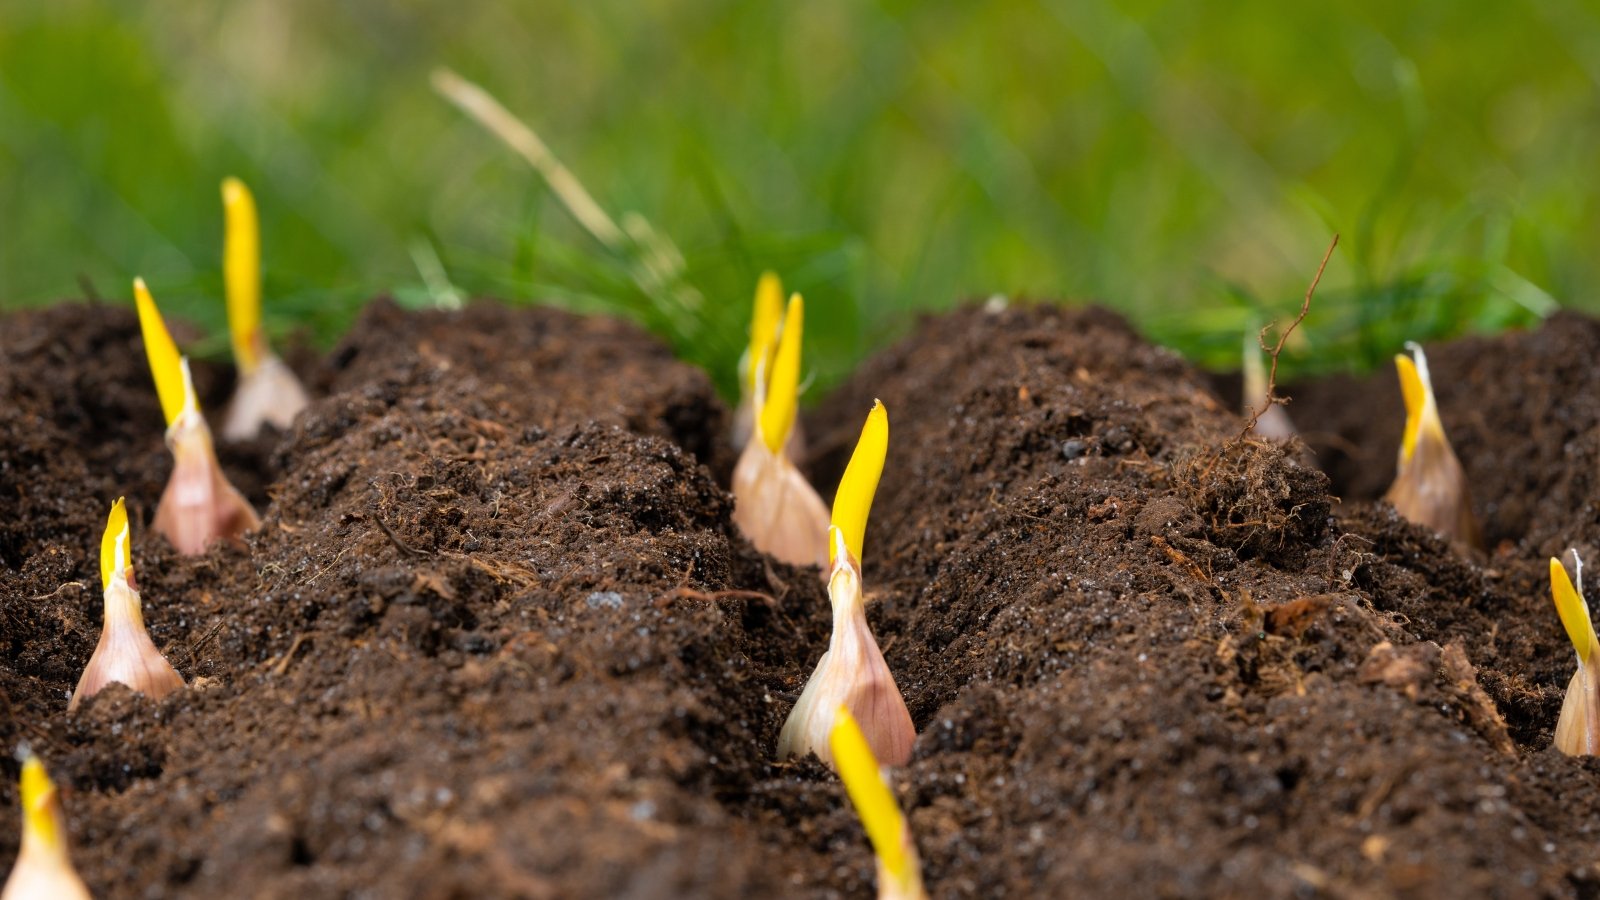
{"points": [[852, 503], [241, 273], [1415, 393], [1572, 609], [114, 556], [782, 396], [38, 804], [874, 803], [764, 321], [170, 371]]}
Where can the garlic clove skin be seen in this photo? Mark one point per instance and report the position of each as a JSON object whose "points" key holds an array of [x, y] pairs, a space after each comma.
{"points": [[269, 394], [852, 673], [777, 509], [199, 505], [125, 652], [1578, 729], [43, 870]]}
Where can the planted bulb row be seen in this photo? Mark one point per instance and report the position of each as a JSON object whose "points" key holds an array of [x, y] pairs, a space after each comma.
{"points": [[198, 508]]}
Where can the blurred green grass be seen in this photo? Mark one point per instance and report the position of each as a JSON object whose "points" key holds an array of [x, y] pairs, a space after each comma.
{"points": [[1184, 162]]}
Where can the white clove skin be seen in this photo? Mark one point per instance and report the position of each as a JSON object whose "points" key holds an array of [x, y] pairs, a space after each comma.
{"points": [[852, 673], [43, 870], [777, 509], [269, 394], [1578, 728], [199, 505], [125, 652]]}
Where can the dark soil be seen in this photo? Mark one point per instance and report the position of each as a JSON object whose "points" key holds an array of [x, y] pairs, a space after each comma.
{"points": [[498, 637]]}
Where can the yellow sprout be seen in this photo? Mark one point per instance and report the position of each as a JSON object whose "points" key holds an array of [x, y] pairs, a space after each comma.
{"points": [[781, 399], [114, 544], [853, 501], [764, 321], [171, 371], [1417, 397], [241, 273], [874, 803], [43, 868], [1572, 609]]}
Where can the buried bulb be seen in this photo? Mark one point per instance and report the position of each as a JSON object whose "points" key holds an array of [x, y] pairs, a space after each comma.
{"points": [[852, 673], [899, 871], [43, 870], [774, 506], [125, 652], [199, 504], [268, 391], [1578, 729], [1430, 487]]}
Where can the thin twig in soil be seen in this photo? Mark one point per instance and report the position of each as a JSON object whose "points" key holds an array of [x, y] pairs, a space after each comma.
{"points": [[288, 657], [395, 538], [1276, 350], [77, 584], [194, 648]]}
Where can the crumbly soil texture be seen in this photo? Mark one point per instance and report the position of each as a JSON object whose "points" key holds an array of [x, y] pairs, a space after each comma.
{"points": [[498, 637]]}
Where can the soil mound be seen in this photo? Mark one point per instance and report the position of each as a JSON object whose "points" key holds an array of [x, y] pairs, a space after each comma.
{"points": [[498, 637]]}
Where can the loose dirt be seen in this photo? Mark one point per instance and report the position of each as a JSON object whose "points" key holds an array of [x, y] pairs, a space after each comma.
{"points": [[498, 637]]}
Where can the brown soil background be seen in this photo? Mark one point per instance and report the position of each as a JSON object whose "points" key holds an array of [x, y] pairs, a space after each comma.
{"points": [[498, 637]]}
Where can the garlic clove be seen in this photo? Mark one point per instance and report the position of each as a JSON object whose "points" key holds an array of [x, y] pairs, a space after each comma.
{"points": [[899, 871], [853, 674], [199, 504], [1578, 728], [269, 395], [777, 509], [1430, 487], [125, 652], [268, 392], [43, 870]]}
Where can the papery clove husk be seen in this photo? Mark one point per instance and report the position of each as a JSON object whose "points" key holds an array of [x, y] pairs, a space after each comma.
{"points": [[899, 870], [43, 870], [199, 505], [268, 391], [774, 506], [125, 652], [1578, 728], [852, 672], [1430, 487]]}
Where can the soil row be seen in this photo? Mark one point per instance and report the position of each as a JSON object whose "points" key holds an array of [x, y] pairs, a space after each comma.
{"points": [[497, 635]]}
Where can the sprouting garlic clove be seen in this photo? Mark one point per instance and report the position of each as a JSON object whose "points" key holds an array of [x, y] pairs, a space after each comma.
{"points": [[125, 652], [774, 506], [777, 509], [199, 505], [268, 395], [1578, 728], [853, 674], [43, 870], [1430, 486]]}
